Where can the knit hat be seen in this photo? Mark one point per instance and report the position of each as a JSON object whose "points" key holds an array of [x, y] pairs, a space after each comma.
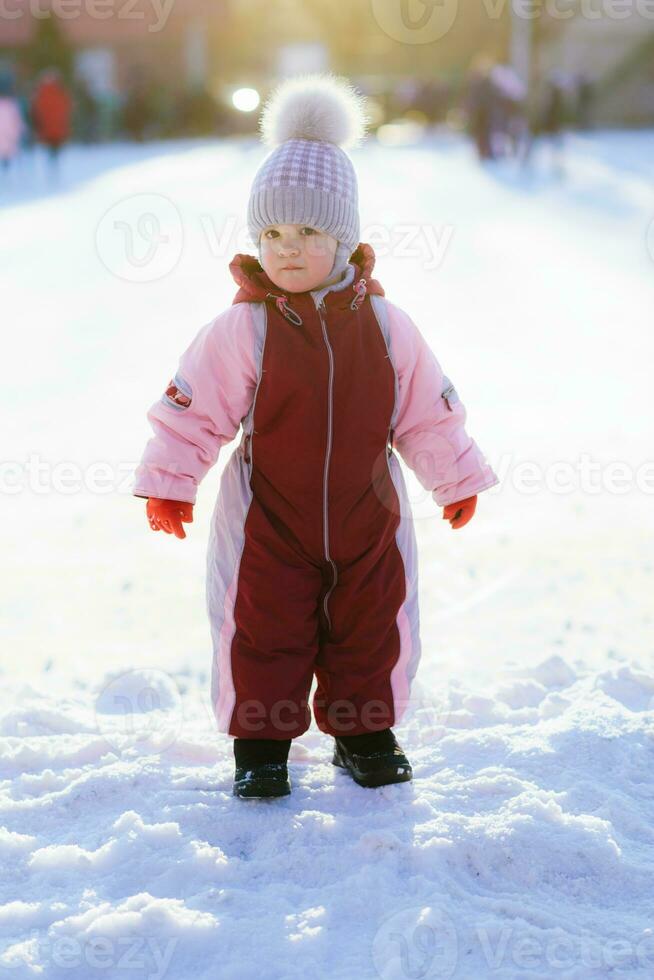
{"points": [[307, 178]]}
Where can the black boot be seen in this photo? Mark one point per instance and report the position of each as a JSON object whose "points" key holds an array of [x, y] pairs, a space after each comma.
{"points": [[261, 769], [372, 759]]}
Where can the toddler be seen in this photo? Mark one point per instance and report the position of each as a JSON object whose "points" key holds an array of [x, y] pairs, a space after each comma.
{"points": [[312, 561]]}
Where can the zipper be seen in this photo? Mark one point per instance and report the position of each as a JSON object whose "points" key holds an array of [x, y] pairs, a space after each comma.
{"points": [[449, 394], [321, 309]]}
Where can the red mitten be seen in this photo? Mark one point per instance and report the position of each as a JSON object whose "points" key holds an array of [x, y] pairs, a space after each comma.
{"points": [[167, 515], [460, 512]]}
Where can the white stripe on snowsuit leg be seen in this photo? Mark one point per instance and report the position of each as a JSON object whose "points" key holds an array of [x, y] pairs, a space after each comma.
{"points": [[408, 615], [225, 548], [226, 542]]}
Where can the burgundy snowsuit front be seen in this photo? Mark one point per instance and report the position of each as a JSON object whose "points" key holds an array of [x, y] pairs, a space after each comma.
{"points": [[321, 576]]}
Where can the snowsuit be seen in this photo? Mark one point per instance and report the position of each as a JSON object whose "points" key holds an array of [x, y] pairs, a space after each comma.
{"points": [[312, 560]]}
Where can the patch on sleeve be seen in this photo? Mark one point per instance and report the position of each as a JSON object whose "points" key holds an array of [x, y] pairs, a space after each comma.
{"points": [[449, 393], [178, 394]]}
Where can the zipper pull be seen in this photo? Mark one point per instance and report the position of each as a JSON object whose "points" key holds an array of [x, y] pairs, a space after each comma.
{"points": [[360, 290], [449, 393], [281, 302]]}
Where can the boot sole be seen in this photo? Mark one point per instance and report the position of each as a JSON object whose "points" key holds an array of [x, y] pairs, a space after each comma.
{"points": [[264, 791], [396, 773]]}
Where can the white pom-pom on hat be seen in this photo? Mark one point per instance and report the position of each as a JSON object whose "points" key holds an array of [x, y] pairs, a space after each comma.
{"points": [[314, 107]]}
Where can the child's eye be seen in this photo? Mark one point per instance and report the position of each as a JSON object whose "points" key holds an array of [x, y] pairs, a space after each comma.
{"points": [[273, 231]]}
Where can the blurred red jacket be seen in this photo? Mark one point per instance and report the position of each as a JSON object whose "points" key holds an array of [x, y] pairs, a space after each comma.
{"points": [[51, 109]]}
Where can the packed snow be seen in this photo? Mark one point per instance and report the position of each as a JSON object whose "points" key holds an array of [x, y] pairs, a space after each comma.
{"points": [[523, 847]]}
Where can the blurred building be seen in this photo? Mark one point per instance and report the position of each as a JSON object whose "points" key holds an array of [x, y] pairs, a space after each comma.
{"points": [[223, 44], [179, 49], [610, 59], [108, 42], [380, 44], [617, 59]]}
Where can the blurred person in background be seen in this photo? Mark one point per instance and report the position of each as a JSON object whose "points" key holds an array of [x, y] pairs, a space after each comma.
{"points": [[434, 99], [479, 105], [584, 102], [552, 117], [85, 117], [11, 123], [137, 112], [51, 114], [197, 113], [509, 128], [430, 99], [150, 108]]}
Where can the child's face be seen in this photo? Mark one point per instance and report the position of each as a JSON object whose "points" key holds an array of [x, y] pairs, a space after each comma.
{"points": [[310, 251]]}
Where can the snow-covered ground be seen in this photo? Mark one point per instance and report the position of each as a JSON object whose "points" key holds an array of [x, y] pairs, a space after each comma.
{"points": [[524, 847]]}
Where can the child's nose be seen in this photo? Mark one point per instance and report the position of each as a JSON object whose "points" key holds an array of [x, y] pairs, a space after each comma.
{"points": [[289, 245], [289, 239]]}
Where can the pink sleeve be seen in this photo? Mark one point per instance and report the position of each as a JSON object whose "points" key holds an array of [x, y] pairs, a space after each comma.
{"points": [[201, 409], [429, 430]]}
